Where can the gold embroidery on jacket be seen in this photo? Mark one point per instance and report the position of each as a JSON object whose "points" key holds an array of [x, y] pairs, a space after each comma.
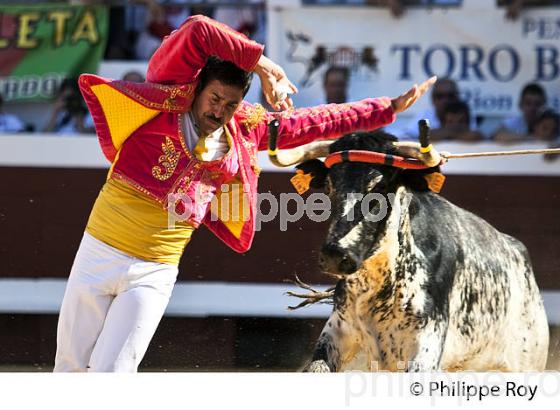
{"points": [[254, 115], [170, 103], [166, 162], [252, 151], [135, 185]]}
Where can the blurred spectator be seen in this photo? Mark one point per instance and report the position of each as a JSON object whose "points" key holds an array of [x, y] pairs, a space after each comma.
{"points": [[9, 123], [335, 84], [547, 126], [177, 11], [242, 19], [133, 76], [397, 7], [329, 2], [456, 124], [514, 8], [445, 91], [155, 28], [161, 20], [517, 128], [70, 115], [161, 17]]}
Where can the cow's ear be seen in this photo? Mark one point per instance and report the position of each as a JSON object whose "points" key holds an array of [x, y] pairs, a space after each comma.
{"points": [[318, 171], [420, 180]]}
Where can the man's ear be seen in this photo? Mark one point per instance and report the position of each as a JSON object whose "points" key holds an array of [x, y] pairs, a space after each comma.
{"points": [[318, 171]]}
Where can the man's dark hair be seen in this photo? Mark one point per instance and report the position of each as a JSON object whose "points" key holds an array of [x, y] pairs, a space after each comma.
{"points": [[226, 72], [534, 89], [458, 107]]}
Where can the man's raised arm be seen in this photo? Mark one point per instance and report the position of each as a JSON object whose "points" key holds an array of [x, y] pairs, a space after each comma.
{"points": [[298, 127], [183, 53]]}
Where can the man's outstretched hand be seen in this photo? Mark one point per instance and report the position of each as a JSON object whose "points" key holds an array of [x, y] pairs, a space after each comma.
{"points": [[275, 84], [404, 101]]}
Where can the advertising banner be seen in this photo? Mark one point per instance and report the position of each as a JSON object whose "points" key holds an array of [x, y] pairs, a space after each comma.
{"points": [[491, 58], [41, 45]]}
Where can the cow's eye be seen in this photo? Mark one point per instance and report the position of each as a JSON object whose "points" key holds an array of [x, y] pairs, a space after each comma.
{"points": [[375, 182]]}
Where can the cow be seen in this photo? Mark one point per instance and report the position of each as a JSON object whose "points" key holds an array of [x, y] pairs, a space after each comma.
{"points": [[425, 286]]}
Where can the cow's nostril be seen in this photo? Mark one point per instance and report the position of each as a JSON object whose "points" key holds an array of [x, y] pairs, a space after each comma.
{"points": [[334, 259]]}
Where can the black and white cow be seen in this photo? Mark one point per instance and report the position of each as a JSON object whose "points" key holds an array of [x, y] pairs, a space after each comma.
{"points": [[430, 286]]}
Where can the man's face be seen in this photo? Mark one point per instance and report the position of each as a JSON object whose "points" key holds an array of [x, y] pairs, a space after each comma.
{"points": [[530, 105], [335, 87], [444, 93], [457, 121], [215, 105]]}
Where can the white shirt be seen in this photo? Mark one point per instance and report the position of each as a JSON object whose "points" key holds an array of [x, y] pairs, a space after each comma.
{"points": [[515, 124], [69, 127], [10, 123], [216, 144], [410, 131]]}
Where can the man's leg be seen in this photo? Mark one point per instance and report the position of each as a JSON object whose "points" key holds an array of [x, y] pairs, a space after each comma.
{"points": [[84, 307], [133, 319]]}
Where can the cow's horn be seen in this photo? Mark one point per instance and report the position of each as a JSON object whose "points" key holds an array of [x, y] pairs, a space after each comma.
{"points": [[423, 151], [287, 157], [410, 149]]}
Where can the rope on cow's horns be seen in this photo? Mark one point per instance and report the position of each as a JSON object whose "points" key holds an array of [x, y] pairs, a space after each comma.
{"points": [[426, 147], [501, 153]]}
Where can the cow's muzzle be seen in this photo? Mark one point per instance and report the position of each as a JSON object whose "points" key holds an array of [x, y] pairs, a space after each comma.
{"points": [[337, 260]]}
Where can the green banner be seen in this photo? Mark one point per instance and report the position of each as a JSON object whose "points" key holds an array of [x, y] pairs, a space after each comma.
{"points": [[42, 44]]}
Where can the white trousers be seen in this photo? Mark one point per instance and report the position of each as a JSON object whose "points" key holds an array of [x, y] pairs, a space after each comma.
{"points": [[111, 308]]}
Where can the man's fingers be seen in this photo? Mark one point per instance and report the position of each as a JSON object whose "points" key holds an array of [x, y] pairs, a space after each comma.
{"points": [[289, 102], [272, 101], [293, 87], [407, 95], [269, 99], [284, 104], [411, 96], [410, 93], [425, 86], [405, 100]]}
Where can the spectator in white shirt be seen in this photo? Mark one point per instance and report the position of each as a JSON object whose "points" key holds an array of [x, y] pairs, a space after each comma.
{"points": [[70, 115], [444, 92]]}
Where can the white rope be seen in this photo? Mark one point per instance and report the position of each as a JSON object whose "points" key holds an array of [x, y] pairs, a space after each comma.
{"points": [[502, 153]]}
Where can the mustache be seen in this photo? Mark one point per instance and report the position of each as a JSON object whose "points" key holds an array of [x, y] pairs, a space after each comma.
{"points": [[215, 119]]}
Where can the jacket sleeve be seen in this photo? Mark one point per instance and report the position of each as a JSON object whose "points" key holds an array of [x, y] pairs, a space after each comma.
{"points": [[183, 53], [329, 121]]}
